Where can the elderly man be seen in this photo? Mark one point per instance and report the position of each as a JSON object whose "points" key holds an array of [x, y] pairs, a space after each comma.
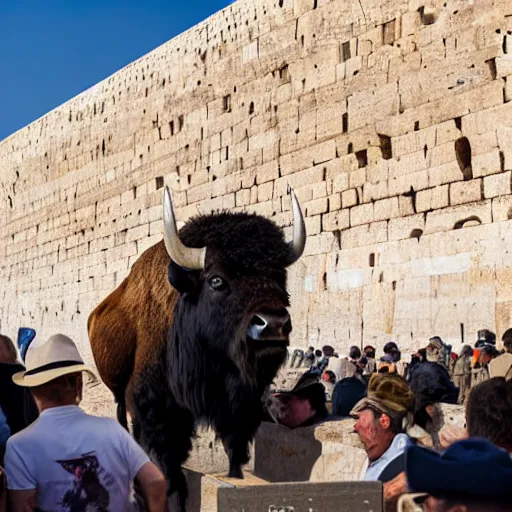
{"points": [[472, 475], [380, 420], [68, 459]]}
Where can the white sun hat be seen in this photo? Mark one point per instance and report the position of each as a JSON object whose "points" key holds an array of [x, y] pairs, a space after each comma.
{"points": [[55, 358]]}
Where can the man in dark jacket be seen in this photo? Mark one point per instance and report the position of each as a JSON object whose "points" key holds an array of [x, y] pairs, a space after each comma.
{"points": [[17, 403]]}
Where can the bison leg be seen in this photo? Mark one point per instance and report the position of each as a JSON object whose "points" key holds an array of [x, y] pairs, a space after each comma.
{"points": [[165, 431], [237, 432], [237, 451], [121, 410]]}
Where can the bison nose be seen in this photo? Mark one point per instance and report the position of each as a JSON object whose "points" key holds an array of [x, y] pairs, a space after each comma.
{"points": [[270, 326]]}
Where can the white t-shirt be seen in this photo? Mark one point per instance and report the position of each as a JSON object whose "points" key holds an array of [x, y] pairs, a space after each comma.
{"points": [[76, 462]]}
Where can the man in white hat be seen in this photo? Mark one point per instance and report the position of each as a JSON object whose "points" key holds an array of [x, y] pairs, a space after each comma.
{"points": [[67, 459]]}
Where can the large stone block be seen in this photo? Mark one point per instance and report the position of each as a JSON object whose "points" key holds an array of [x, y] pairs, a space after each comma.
{"points": [[327, 452], [498, 185], [487, 163], [355, 496], [459, 216], [466, 192]]}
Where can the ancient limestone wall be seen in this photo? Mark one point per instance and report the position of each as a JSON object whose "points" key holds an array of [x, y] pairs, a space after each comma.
{"points": [[392, 120]]}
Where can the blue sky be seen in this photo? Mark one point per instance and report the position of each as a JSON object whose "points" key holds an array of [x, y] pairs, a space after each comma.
{"points": [[51, 50]]}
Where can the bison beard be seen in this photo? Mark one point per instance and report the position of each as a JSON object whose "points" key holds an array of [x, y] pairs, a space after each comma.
{"points": [[181, 355]]}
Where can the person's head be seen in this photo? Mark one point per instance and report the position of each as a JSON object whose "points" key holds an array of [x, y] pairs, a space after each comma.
{"points": [[472, 475], [304, 402], [379, 416], [329, 376], [489, 410], [327, 350], [487, 353], [65, 390], [485, 337], [318, 353], [434, 349], [369, 351], [311, 350], [354, 352], [54, 373], [431, 384], [346, 394], [507, 340], [8, 352], [361, 363], [376, 431], [391, 349], [466, 351]]}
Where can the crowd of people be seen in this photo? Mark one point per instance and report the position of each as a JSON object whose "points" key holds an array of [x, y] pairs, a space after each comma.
{"points": [[58, 458], [396, 406], [472, 366]]}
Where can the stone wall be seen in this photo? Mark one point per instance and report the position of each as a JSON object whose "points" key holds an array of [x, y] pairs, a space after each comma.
{"points": [[392, 120]]}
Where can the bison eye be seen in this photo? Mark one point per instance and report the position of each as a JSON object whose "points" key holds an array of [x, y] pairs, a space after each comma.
{"points": [[217, 283]]}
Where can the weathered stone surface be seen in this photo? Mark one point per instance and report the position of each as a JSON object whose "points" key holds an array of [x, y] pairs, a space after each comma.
{"points": [[372, 136], [355, 496], [327, 452], [204, 489]]}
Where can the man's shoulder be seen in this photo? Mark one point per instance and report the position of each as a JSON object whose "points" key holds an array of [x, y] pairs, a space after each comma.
{"points": [[39, 426], [402, 439], [100, 421], [24, 435], [399, 444]]}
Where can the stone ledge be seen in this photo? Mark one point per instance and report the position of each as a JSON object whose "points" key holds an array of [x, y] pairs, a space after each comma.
{"points": [[216, 493]]}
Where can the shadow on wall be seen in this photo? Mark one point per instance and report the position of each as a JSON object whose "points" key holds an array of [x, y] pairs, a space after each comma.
{"points": [[276, 458]]}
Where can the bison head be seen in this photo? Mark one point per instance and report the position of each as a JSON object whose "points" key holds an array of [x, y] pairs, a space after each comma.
{"points": [[230, 272]]}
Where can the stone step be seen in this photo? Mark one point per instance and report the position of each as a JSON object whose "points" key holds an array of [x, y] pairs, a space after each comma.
{"points": [[218, 493]]}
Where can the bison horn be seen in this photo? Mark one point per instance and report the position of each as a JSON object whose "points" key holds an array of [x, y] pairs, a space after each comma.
{"points": [[296, 246], [186, 257]]}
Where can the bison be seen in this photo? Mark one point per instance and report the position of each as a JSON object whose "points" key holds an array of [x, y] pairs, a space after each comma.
{"points": [[197, 332]]}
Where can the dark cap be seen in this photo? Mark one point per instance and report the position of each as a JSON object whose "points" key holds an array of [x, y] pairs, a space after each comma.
{"points": [[390, 346], [470, 468], [486, 336]]}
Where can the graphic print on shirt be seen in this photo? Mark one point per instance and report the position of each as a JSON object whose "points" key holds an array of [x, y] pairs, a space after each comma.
{"points": [[88, 494]]}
